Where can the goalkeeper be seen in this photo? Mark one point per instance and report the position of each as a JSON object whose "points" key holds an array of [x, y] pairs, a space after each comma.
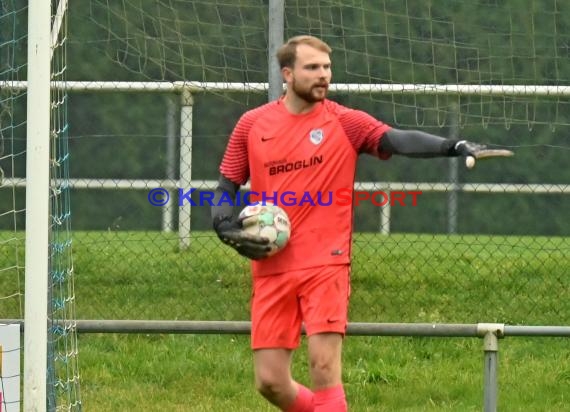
{"points": [[308, 282]]}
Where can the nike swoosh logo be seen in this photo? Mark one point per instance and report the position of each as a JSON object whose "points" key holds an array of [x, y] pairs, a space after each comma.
{"points": [[264, 138]]}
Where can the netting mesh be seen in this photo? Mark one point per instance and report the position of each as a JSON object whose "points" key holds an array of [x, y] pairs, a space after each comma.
{"points": [[12, 67], [165, 40], [63, 366], [12, 155], [389, 42]]}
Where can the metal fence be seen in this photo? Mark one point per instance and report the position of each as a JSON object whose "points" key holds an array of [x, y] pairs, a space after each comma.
{"points": [[449, 249]]}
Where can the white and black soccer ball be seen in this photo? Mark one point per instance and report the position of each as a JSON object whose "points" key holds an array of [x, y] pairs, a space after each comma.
{"points": [[269, 221]]}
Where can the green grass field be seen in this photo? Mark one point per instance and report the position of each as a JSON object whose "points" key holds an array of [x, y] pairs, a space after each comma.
{"points": [[402, 278], [213, 373]]}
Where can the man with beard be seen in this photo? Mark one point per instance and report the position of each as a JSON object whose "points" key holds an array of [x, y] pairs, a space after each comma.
{"points": [[308, 282]]}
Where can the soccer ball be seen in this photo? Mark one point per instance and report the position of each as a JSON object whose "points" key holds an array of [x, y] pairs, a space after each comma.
{"points": [[267, 220]]}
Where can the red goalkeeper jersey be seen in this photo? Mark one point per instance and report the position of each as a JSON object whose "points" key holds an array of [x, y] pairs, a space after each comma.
{"points": [[306, 164]]}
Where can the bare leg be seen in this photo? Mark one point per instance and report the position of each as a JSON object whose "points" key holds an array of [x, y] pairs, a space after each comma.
{"points": [[273, 376], [326, 372], [325, 360]]}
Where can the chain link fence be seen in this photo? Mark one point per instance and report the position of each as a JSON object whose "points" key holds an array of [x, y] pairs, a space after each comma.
{"points": [[490, 244], [464, 251]]}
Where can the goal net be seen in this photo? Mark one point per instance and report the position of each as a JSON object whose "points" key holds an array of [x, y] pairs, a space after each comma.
{"points": [[419, 64], [63, 354], [12, 208]]}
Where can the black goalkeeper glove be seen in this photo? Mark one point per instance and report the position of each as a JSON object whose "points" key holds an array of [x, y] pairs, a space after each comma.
{"points": [[465, 148], [230, 231]]}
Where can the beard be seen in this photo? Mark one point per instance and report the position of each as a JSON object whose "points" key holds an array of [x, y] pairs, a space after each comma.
{"points": [[312, 94]]}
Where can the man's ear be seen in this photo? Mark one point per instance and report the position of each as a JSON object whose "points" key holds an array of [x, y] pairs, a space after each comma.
{"points": [[287, 74]]}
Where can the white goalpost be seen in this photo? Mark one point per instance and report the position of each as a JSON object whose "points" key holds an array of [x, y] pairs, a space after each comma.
{"points": [[37, 201], [51, 378]]}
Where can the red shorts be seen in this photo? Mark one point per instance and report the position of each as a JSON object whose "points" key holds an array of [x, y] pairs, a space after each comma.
{"points": [[316, 297]]}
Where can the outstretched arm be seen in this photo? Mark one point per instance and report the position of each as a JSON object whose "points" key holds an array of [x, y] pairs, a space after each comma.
{"points": [[228, 228], [415, 143]]}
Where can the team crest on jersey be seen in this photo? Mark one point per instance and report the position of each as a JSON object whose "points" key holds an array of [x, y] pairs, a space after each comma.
{"points": [[316, 136]]}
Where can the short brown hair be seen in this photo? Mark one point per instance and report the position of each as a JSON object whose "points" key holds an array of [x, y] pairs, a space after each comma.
{"points": [[288, 52]]}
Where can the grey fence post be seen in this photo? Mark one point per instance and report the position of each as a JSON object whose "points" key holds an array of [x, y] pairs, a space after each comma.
{"points": [[385, 216], [168, 209], [275, 33], [184, 209], [452, 209], [491, 332]]}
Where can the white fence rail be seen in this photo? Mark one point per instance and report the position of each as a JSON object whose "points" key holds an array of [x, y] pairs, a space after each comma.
{"points": [[380, 88], [209, 185]]}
